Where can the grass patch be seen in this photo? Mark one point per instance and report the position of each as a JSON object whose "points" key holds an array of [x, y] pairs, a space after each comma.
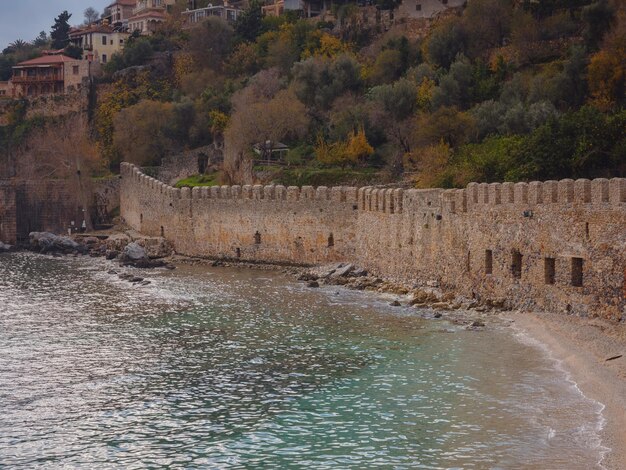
{"points": [[326, 176], [211, 179]]}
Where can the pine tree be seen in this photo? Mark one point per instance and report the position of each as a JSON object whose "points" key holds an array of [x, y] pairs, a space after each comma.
{"points": [[249, 23], [42, 40], [60, 30]]}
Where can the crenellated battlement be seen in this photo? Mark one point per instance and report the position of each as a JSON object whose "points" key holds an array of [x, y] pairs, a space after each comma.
{"points": [[564, 192], [476, 196], [338, 194]]}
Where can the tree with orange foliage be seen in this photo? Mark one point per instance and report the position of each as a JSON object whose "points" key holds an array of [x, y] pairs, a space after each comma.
{"points": [[607, 69]]}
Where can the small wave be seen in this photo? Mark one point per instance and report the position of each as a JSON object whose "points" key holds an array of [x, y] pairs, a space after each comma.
{"points": [[589, 432]]}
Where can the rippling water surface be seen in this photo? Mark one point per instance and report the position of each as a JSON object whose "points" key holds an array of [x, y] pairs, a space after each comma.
{"points": [[228, 368]]}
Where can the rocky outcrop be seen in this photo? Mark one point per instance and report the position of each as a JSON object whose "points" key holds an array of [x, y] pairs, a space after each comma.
{"points": [[46, 242], [143, 252], [136, 255]]}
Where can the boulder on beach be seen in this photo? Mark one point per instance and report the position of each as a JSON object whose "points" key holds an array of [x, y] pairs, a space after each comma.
{"points": [[134, 252], [135, 255], [46, 242]]}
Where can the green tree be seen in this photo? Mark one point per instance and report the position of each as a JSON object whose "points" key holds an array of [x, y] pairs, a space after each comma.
{"points": [[487, 23], [250, 23], [18, 44], [142, 132], [42, 40], [445, 43], [598, 18], [74, 52], [6, 66], [387, 67], [210, 42], [318, 82], [585, 143], [399, 99], [392, 108], [60, 30], [488, 161]]}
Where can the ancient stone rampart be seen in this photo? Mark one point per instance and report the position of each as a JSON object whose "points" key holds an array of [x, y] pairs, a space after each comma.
{"points": [[558, 246], [255, 223]]}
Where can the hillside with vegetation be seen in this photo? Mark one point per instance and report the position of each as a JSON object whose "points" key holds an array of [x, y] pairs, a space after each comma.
{"points": [[501, 90]]}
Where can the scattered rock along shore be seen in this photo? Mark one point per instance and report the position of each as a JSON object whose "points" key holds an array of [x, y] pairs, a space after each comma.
{"points": [[128, 248], [428, 301]]}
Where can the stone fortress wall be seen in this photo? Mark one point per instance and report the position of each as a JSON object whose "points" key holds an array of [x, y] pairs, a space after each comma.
{"points": [[556, 246]]}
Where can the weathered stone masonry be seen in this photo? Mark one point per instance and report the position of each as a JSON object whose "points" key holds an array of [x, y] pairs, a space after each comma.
{"points": [[558, 246]]}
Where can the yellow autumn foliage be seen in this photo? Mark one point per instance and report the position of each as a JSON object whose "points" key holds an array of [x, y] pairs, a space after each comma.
{"points": [[607, 74], [425, 93], [357, 146], [183, 66], [354, 149]]}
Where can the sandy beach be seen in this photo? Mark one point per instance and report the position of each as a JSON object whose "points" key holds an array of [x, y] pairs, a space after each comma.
{"points": [[587, 349]]}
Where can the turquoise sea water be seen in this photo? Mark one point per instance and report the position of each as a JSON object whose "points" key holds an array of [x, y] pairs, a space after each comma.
{"points": [[234, 368]]}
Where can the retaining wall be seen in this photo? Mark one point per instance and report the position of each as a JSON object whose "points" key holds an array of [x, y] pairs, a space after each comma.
{"points": [[558, 246]]}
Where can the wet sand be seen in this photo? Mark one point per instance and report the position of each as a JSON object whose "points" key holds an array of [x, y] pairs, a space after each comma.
{"points": [[585, 347]]}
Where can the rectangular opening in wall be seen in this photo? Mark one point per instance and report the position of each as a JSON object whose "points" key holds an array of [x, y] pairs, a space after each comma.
{"points": [[488, 262], [516, 264], [577, 272], [549, 269]]}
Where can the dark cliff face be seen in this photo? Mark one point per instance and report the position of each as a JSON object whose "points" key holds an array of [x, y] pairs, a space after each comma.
{"points": [[47, 206], [7, 212], [28, 206]]}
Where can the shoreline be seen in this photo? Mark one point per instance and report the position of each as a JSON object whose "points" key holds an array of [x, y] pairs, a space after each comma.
{"points": [[582, 346]]}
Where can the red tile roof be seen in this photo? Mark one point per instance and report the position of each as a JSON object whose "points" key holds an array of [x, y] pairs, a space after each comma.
{"points": [[96, 28], [47, 60]]}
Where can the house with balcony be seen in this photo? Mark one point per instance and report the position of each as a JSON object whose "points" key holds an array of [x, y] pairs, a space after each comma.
{"points": [[118, 13], [225, 11], [148, 14], [98, 42], [48, 75]]}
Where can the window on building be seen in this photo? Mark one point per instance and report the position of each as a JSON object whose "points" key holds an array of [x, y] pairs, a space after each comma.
{"points": [[445, 2], [488, 262], [549, 269], [75, 69], [111, 41], [516, 264], [418, 7], [104, 40], [121, 41], [577, 272], [104, 58]]}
